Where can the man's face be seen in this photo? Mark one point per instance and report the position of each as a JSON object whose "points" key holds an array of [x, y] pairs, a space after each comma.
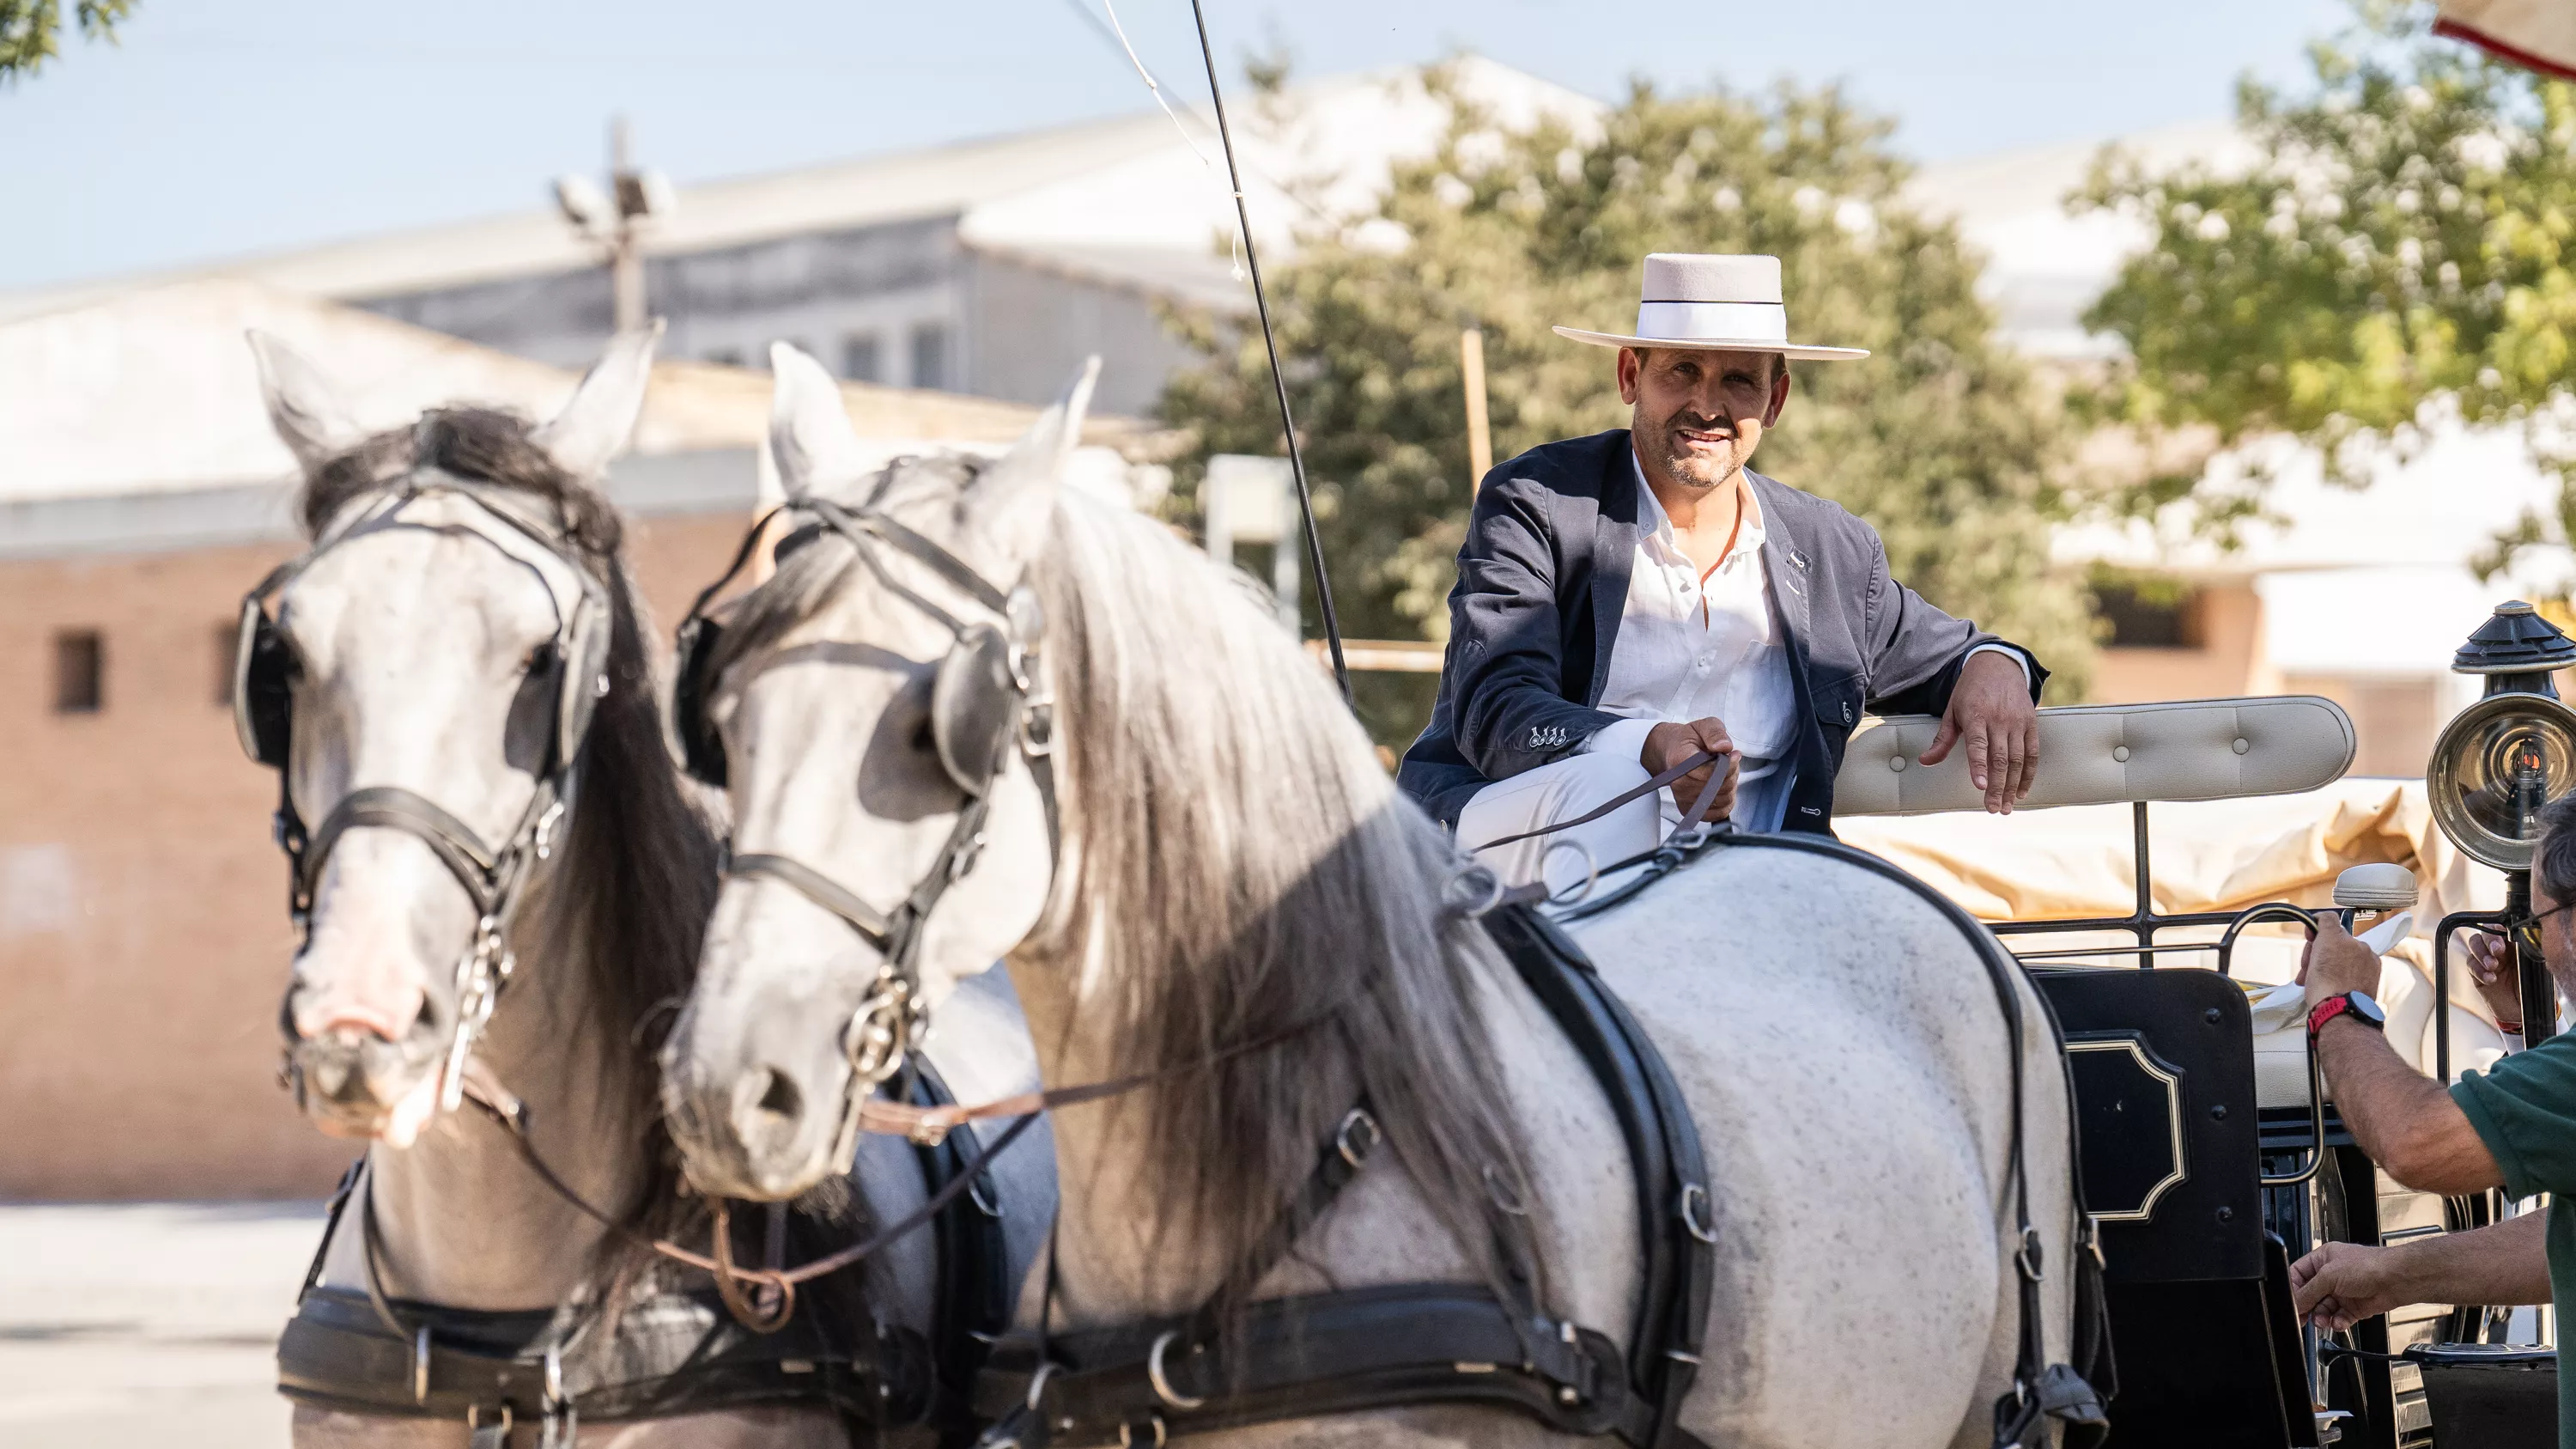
{"points": [[1699, 415]]}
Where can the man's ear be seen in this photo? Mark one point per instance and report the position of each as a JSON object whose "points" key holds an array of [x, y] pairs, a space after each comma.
{"points": [[1779, 394], [1632, 364]]}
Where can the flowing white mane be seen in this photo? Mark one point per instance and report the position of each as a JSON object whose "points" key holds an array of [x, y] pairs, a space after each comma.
{"points": [[1241, 864]]}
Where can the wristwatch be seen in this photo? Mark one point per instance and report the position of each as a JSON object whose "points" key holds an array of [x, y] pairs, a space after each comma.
{"points": [[2356, 1004]]}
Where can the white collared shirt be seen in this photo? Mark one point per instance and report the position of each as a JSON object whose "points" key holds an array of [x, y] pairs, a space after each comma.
{"points": [[1693, 646]]}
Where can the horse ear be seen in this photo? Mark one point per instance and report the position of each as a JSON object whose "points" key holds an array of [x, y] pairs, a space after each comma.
{"points": [[302, 406], [809, 431], [595, 426], [1037, 460]]}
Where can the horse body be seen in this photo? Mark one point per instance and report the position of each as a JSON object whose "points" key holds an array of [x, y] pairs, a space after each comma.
{"points": [[1241, 909], [421, 638]]}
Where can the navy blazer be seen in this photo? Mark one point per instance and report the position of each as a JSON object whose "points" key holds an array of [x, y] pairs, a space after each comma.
{"points": [[1543, 583]]}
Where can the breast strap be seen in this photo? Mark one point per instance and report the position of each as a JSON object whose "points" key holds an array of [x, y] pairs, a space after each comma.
{"points": [[1408, 1344]]}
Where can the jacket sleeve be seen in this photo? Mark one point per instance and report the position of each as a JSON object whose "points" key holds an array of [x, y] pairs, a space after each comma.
{"points": [[1507, 633], [1915, 650]]}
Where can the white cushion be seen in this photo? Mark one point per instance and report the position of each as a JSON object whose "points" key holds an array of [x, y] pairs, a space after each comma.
{"points": [[2104, 754]]}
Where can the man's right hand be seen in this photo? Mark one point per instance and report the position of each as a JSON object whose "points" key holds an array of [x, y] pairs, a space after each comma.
{"points": [[1669, 744], [2499, 975], [2341, 1284]]}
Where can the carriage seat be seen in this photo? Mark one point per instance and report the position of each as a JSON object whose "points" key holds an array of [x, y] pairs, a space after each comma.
{"points": [[2109, 754]]}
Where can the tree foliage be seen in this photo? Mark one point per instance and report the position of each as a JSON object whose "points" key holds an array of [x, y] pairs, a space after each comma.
{"points": [[30, 30], [1940, 438], [2406, 240]]}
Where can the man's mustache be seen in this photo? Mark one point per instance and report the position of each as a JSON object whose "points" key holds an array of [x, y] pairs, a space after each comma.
{"points": [[1696, 425]]}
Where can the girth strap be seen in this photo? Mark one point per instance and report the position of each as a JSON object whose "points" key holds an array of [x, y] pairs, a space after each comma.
{"points": [[1290, 1358], [1674, 1228]]}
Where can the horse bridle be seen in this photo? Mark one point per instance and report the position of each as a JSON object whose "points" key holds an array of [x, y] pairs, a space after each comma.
{"points": [[987, 700], [494, 878]]}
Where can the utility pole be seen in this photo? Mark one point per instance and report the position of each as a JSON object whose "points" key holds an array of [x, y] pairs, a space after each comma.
{"points": [[616, 219], [1480, 437]]}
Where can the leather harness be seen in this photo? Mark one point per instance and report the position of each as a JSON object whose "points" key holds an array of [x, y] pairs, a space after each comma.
{"points": [[673, 1352], [1345, 1352]]}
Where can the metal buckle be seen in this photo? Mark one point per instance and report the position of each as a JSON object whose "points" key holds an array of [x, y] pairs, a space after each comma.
{"points": [[420, 1365], [1127, 1439], [1357, 1125], [874, 1041], [1698, 1223], [1163, 1389], [2029, 1257], [1037, 1384]]}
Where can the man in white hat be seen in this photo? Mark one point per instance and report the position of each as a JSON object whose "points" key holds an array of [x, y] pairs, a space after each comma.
{"points": [[1628, 600]]}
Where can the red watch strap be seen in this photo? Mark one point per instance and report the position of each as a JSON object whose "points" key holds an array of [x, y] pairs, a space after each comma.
{"points": [[2327, 1010]]}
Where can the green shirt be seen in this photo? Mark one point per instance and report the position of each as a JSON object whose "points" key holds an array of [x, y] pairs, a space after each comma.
{"points": [[2525, 1111]]}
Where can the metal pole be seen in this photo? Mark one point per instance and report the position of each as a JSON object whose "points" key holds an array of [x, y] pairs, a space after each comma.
{"points": [[625, 256], [1278, 379], [2539, 994], [1480, 437]]}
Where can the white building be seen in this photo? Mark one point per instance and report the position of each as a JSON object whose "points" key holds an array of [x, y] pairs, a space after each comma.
{"points": [[988, 267]]}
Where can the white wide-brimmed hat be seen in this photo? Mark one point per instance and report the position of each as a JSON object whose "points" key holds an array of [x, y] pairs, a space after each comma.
{"points": [[1714, 304]]}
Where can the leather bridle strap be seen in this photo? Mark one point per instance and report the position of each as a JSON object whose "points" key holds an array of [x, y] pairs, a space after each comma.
{"points": [[475, 865], [874, 926]]}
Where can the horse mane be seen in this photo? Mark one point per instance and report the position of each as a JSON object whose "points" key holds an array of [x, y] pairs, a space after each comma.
{"points": [[1242, 864], [635, 880], [1238, 863]]}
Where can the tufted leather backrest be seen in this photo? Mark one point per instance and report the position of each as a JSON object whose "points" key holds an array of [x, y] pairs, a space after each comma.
{"points": [[2107, 754]]}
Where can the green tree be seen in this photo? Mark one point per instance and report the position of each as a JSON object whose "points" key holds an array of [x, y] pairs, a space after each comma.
{"points": [[2405, 245], [1940, 438], [29, 30]]}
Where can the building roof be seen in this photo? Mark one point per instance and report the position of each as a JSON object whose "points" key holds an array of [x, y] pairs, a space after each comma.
{"points": [[154, 390], [1135, 199]]}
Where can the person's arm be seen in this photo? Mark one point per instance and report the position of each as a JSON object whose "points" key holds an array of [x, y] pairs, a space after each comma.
{"points": [[2341, 1284], [1923, 661], [2405, 1121], [1506, 638]]}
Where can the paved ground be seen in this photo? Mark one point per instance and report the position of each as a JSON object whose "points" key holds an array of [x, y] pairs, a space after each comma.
{"points": [[147, 1324]]}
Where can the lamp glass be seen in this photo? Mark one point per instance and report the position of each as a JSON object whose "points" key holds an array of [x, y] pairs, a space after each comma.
{"points": [[2496, 764]]}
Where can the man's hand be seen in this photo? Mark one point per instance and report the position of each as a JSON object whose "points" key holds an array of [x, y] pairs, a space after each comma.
{"points": [[2499, 976], [1669, 744], [1990, 708], [2341, 1284], [2336, 962]]}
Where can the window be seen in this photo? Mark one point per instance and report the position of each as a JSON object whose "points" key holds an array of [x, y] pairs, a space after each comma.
{"points": [[80, 668], [2147, 612], [861, 358], [930, 355], [725, 356]]}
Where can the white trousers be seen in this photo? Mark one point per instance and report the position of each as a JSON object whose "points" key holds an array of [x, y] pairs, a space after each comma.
{"points": [[1561, 790]]}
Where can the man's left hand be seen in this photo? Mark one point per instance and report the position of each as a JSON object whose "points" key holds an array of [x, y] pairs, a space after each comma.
{"points": [[2336, 963], [1990, 708]]}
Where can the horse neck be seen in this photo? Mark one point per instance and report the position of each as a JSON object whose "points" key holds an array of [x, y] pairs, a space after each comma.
{"points": [[464, 1221]]}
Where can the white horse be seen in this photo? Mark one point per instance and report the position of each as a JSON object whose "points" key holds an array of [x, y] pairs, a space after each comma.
{"points": [[421, 648], [1235, 864]]}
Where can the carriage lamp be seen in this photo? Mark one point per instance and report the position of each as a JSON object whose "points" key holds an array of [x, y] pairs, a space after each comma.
{"points": [[2500, 760]]}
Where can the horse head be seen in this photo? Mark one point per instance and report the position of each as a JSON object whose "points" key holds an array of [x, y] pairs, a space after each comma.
{"points": [[876, 712], [424, 676]]}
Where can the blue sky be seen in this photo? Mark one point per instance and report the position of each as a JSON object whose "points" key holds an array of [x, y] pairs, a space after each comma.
{"points": [[225, 127]]}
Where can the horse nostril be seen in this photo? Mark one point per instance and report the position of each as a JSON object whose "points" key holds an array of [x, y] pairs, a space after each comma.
{"points": [[782, 1099]]}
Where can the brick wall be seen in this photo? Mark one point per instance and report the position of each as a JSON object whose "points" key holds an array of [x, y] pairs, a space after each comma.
{"points": [[143, 934]]}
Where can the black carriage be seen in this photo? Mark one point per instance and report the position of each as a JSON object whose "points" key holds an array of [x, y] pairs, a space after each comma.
{"points": [[2208, 1179]]}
